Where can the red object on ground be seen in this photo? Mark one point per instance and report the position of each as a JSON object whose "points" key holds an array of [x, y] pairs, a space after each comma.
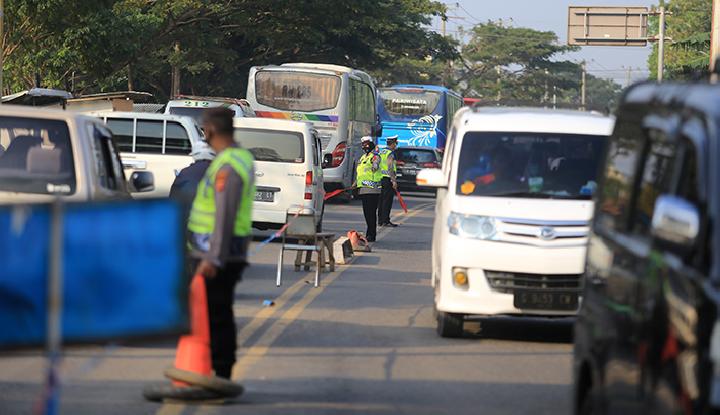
{"points": [[193, 352], [401, 200]]}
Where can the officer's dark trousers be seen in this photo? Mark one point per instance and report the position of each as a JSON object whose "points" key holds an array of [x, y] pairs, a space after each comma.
{"points": [[370, 208], [223, 333], [386, 201]]}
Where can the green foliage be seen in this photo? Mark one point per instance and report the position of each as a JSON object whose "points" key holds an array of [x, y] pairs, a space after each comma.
{"points": [[522, 64], [116, 44], [689, 27]]}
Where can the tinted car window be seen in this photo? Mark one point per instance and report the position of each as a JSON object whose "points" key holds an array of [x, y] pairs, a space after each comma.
{"points": [[619, 175], [149, 136], [415, 156], [36, 156], [122, 130], [656, 176], [176, 139], [272, 145]]}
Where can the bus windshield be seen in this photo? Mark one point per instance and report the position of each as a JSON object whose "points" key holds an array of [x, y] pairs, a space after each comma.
{"points": [[297, 91], [409, 102]]}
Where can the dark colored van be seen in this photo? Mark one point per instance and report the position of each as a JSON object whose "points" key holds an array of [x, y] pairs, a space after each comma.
{"points": [[647, 337]]}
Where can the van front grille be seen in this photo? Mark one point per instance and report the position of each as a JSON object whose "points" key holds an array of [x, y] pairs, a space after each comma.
{"points": [[508, 282]]}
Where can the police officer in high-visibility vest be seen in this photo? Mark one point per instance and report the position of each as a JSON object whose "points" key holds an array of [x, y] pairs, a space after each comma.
{"points": [[369, 177], [220, 231], [388, 168]]}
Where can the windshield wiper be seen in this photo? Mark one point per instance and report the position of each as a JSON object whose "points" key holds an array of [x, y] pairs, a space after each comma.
{"points": [[540, 195]]}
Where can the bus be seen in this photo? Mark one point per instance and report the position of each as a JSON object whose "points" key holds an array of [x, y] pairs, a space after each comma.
{"points": [[340, 103], [420, 115]]}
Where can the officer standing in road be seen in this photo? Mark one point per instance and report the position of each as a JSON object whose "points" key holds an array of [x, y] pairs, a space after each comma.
{"points": [[369, 177], [388, 168], [186, 182], [220, 231]]}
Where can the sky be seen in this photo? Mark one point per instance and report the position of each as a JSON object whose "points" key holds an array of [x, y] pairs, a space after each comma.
{"points": [[607, 62]]}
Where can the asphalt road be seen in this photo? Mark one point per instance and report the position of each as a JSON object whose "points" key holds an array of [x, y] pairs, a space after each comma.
{"points": [[362, 343]]}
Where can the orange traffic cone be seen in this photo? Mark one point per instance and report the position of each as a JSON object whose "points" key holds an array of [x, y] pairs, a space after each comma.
{"points": [[193, 352]]}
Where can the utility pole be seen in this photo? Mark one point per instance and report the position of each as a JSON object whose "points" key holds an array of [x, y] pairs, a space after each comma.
{"points": [[628, 76], [175, 77], [443, 30], [715, 39], [583, 88], [661, 45]]}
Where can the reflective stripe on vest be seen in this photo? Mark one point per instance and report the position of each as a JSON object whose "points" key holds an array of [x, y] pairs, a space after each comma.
{"points": [[384, 165], [202, 215], [366, 177]]}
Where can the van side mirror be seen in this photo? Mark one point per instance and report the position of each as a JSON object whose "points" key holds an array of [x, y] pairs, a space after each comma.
{"points": [[141, 182], [675, 222], [327, 161], [431, 178]]}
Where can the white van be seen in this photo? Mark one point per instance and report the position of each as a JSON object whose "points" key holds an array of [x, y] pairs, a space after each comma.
{"points": [[194, 106], [288, 169], [157, 143], [513, 212]]}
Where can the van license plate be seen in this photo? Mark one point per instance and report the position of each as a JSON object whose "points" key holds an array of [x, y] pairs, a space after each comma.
{"points": [[543, 300], [264, 196]]}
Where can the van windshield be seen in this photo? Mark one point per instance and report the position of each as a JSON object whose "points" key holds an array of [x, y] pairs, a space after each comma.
{"points": [[537, 165], [36, 156], [297, 91], [272, 145]]}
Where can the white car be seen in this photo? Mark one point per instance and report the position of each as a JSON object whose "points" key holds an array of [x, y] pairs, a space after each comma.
{"points": [[194, 107], [46, 154], [288, 169], [513, 212], [157, 143]]}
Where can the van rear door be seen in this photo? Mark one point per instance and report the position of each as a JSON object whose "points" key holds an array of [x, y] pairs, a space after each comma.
{"points": [[280, 170]]}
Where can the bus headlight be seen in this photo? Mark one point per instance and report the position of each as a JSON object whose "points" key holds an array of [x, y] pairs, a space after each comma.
{"points": [[472, 226]]}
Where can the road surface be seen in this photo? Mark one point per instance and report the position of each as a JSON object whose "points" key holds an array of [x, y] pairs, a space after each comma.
{"points": [[362, 343]]}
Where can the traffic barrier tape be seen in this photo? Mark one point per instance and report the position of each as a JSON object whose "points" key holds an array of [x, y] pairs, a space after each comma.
{"points": [[274, 236]]}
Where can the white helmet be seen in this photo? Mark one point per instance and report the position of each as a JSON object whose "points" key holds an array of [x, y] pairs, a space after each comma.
{"points": [[366, 139], [202, 151]]}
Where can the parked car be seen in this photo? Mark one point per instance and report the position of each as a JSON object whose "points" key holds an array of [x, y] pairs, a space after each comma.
{"points": [[194, 106], [46, 154], [513, 210], [410, 160], [157, 143], [647, 337], [288, 169]]}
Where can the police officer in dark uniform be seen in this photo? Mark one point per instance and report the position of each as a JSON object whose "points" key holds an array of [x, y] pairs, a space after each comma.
{"points": [[186, 182], [220, 228]]}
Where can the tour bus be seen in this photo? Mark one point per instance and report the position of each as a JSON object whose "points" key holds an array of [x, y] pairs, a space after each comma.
{"points": [[340, 103], [419, 115]]}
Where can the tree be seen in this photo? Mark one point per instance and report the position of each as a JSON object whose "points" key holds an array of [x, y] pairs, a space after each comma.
{"points": [[689, 27], [118, 44], [522, 64]]}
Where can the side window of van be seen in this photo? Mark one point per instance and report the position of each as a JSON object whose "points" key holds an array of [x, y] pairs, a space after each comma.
{"points": [[109, 169], [122, 130], [149, 136], [655, 180], [177, 140], [315, 149], [619, 177]]}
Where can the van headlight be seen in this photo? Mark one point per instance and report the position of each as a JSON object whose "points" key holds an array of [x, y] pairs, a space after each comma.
{"points": [[472, 226]]}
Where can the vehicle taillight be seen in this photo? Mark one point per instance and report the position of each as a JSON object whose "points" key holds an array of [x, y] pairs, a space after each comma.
{"points": [[430, 165], [400, 163], [338, 155], [308, 185]]}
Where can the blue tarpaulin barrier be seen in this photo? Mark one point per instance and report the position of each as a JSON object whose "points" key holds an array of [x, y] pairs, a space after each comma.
{"points": [[122, 268]]}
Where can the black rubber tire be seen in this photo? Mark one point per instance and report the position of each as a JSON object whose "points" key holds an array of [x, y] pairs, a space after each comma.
{"points": [[450, 324], [224, 387], [159, 393]]}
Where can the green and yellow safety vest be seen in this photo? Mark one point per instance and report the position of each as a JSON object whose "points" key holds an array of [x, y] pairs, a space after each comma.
{"points": [[384, 164], [366, 177], [202, 215]]}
